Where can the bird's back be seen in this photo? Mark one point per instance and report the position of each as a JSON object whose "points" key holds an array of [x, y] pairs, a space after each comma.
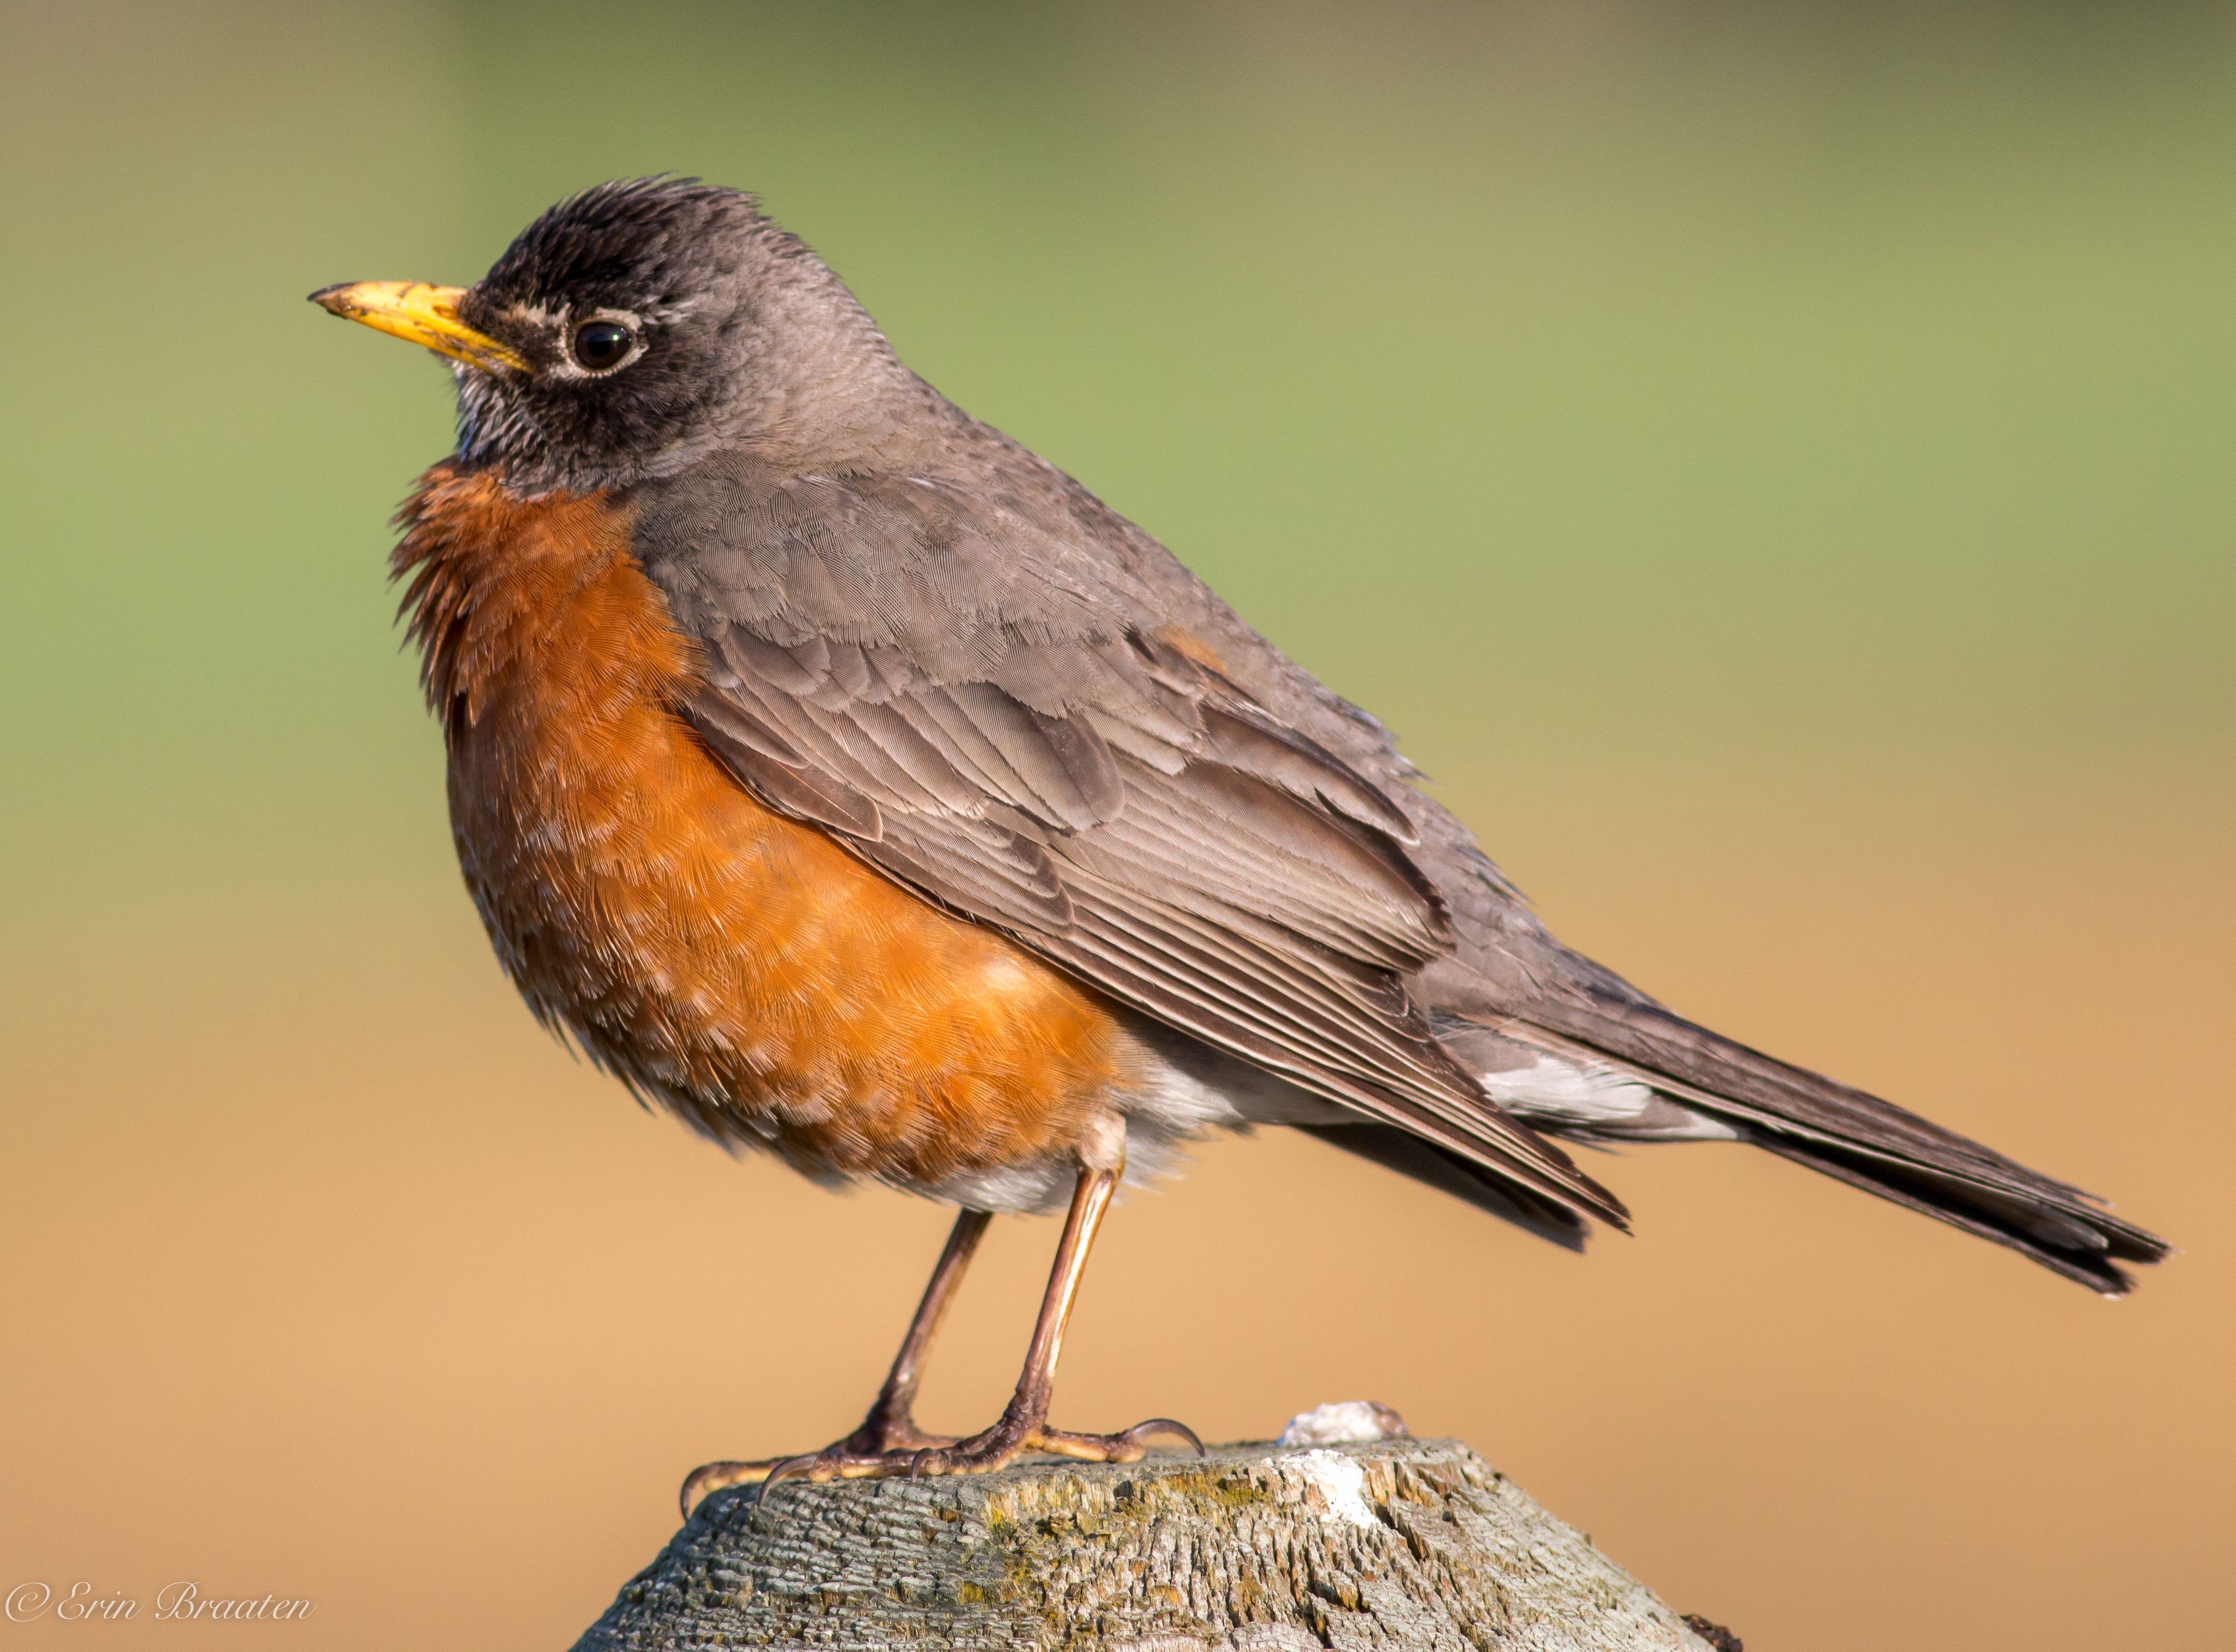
{"points": [[1011, 566]]}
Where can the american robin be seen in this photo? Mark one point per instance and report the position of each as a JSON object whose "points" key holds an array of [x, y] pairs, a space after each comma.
{"points": [[855, 784]]}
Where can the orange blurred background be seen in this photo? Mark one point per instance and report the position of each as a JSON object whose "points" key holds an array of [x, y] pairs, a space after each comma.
{"points": [[1773, 470]]}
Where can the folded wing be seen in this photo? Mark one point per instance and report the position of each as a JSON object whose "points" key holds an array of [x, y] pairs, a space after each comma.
{"points": [[954, 703]]}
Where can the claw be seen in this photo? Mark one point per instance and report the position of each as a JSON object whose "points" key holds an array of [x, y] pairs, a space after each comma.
{"points": [[710, 1477], [1166, 1425], [810, 1464]]}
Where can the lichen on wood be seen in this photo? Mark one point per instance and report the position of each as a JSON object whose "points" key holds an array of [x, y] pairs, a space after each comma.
{"points": [[1399, 1543]]}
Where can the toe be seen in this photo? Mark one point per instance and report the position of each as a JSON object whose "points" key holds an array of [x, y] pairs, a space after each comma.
{"points": [[710, 1477], [1128, 1447]]}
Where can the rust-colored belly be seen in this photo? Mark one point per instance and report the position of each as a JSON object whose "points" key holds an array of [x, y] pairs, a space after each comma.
{"points": [[725, 960]]}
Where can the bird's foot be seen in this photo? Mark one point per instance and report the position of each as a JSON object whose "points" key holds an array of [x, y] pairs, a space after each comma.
{"points": [[882, 1435], [860, 1457], [983, 1453]]}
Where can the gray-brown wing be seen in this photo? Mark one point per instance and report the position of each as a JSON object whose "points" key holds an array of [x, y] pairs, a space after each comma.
{"points": [[1507, 972], [961, 700]]}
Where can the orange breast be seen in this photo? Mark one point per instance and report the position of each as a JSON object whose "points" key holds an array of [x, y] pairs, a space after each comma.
{"points": [[731, 963]]}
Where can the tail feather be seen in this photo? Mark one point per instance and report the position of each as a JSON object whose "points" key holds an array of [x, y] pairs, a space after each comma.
{"points": [[1847, 1133], [2074, 1249]]}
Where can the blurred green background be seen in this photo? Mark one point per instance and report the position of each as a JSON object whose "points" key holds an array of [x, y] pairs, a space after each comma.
{"points": [[1772, 464]]}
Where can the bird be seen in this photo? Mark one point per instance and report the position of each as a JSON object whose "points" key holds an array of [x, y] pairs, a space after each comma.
{"points": [[854, 784]]}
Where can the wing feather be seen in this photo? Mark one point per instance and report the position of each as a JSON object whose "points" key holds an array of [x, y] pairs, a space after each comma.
{"points": [[990, 733]]}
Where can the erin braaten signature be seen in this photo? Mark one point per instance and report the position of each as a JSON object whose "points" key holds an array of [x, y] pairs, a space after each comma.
{"points": [[174, 1603]]}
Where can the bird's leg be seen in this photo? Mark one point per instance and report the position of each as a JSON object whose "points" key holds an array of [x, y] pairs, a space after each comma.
{"points": [[890, 1426], [1024, 1426], [889, 1442]]}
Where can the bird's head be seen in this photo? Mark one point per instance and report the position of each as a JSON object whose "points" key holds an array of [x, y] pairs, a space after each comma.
{"points": [[636, 327]]}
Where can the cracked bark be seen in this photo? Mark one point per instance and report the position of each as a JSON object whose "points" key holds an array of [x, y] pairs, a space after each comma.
{"points": [[1400, 1542]]}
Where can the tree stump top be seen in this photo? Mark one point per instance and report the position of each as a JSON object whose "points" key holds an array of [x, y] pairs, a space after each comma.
{"points": [[1256, 1548]]}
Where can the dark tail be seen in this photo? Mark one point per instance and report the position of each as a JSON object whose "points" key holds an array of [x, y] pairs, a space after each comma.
{"points": [[2079, 1240], [1845, 1132]]}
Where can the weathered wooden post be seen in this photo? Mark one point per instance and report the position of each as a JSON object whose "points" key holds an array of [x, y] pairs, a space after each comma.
{"points": [[1374, 1543]]}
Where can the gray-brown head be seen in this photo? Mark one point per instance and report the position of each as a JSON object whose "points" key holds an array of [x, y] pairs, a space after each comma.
{"points": [[640, 324]]}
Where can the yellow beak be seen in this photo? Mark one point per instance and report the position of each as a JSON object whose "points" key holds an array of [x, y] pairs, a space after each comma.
{"points": [[421, 315]]}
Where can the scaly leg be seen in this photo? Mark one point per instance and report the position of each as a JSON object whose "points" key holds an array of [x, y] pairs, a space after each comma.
{"points": [[1024, 1426], [890, 1426], [888, 1442]]}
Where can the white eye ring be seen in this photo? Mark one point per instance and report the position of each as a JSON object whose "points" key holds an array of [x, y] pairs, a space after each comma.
{"points": [[602, 344]]}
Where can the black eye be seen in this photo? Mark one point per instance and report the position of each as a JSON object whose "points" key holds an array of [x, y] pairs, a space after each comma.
{"points": [[600, 345]]}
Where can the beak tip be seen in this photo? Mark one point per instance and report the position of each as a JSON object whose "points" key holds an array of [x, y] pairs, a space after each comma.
{"points": [[420, 314]]}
